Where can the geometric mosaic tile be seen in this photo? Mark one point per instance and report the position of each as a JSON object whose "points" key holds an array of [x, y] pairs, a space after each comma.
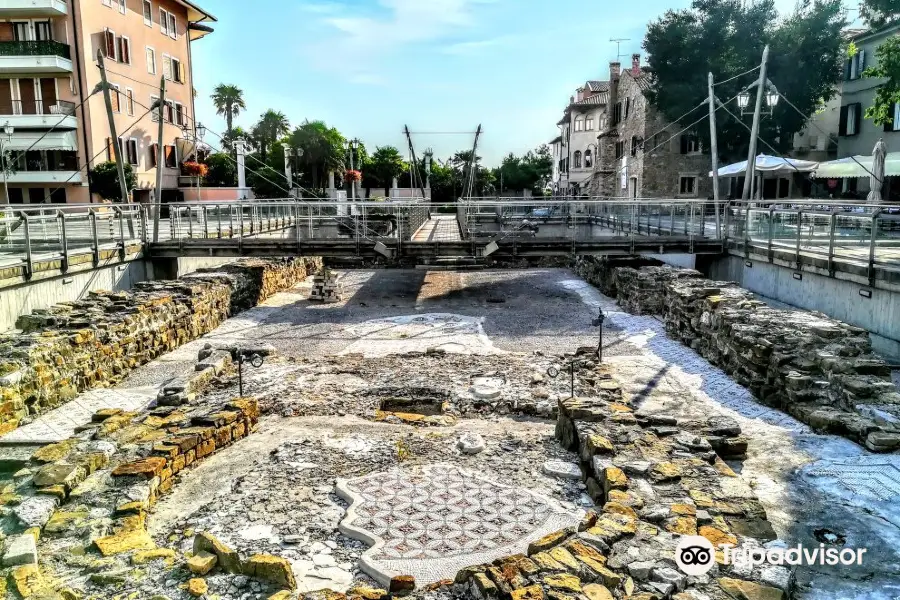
{"points": [[433, 521], [868, 475]]}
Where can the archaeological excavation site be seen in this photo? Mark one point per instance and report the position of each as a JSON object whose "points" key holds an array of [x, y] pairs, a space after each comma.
{"points": [[594, 429]]}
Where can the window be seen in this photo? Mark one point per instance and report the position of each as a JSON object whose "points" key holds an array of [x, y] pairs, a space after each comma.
{"points": [[167, 66], [114, 97], [171, 159], [154, 114], [43, 31], [173, 27], [106, 2], [122, 6], [894, 123], [148, 13], [627, 108], [21, 31], [180, 115], [588, 159], [620, 149], [131, 151], [579, 124], [109, 37], [151, 60], [850, 119], [814, 142], [169, 112], [129, 101], [687, 186], [617, 114], [177, 71], [634, 145], [690, 143], [163, 22], [855, 66], [154, 151], [124, 50], [577, 159], [589, 124]]}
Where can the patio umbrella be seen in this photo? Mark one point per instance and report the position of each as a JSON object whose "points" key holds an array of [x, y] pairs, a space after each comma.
{"points": [[876, 181]]}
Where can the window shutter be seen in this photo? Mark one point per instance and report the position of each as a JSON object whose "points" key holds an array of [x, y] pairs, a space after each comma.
{"points": [[167, 67], [163, 22], [114, 99], [842, 127], [173, 27], [109, 149], [181, 72], [889, 124], [862, 63], [154, 155], [121, 49], [857, 114], [110, 44]]}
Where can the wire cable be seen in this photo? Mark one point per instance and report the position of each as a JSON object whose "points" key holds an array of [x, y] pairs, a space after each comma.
{"points": [[730, 79]]}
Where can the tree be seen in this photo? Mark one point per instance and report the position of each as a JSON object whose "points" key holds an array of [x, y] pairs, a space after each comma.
{"points": [[879, 13], [271, 126], [385, 164], [727, 38], [237, 133], [324, 149], [104, 180], [222, 170], [229, 102]]}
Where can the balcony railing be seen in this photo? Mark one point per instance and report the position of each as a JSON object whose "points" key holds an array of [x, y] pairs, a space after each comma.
{"points": [[35, 48], [36, 107]]}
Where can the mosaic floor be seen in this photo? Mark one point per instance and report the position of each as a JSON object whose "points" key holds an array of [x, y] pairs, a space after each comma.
{"points": [[431, 522], [870, 476]]}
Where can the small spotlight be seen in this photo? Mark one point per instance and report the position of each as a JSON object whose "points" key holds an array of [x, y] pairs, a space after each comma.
{"points": [[748, 264], [381, 249], [865, 293], [491, 248], [798, 276]]}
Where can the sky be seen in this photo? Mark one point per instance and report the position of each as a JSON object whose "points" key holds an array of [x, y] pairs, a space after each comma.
{"points": [[371, 67]]}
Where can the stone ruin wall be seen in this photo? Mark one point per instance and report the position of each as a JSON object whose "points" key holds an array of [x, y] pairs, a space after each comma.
{"points": [[71, 347], [819, 370]]}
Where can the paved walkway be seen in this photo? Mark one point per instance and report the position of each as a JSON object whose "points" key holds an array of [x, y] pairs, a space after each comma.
{"points": [[439, 228]]}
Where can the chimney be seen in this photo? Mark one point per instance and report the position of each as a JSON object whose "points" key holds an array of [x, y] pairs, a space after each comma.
{"points": [[614, 69], [580, 92], [571, 99], [635, 64]]}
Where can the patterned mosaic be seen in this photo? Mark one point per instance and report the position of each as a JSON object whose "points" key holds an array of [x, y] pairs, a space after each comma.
{"points": [[870, 476], [432, 522]]}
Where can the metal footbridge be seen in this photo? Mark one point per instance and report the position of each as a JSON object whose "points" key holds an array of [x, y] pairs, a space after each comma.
{"points": [[56, 238]]}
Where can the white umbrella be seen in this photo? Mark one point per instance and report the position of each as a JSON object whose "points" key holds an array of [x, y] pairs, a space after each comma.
{"points": [[876, 181]]}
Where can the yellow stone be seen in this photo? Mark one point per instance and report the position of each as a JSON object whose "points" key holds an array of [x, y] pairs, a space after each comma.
{"points": [[582, 551], [562, 556], [595, 591], [685, 510], [62, 520], [548, 541], [614, 478], [619, 408], [545, 562], [664, 471], [145, 556], [615, 507], [747, 590], [532, 592], [55, 452], [282, 595], [597, 444], [367, 593], [27, 580], [683, 525], [125, 541], [563, 581], [717, 537], [273, 569], [701, 499], [197, 587], [202, 563]]}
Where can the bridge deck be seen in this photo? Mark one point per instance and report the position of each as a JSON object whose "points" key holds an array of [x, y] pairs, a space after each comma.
{"points": [[439, 228]]}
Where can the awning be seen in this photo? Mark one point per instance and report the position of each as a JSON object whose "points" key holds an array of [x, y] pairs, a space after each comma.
{"points": [[769, 164], [857, 166], [55, 140]]}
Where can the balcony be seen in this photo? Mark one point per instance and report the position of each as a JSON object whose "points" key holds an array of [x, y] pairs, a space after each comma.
{"points": [[35, 57], [32, 8], [49, 166], [38, 114]]}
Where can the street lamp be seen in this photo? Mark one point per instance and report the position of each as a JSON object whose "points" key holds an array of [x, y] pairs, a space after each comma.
{"points": [[598, 322], [743, 100], [8, 130]]}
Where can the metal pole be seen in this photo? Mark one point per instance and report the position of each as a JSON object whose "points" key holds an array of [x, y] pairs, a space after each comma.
{"points": [[159, 158], [754, 134], [714, 151], [5, 182], [117, 146]]}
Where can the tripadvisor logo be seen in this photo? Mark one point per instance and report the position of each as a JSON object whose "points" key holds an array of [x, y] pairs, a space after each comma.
{"points": [[695, 555]]}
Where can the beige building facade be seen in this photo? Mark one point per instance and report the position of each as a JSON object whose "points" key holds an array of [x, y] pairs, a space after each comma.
{"points": [[53, 128]]}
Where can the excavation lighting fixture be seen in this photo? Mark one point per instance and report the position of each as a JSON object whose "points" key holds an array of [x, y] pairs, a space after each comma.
{"points": [[865, 293], [491, 248], [381, 249], [798, 276]]}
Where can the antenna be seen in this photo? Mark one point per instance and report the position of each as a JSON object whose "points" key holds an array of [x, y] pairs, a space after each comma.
{"points": [[618, 43]]}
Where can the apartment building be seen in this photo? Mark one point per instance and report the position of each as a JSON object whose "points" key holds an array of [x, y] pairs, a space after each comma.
{"points": [[575, 148], [54, 128], [639, 155]]}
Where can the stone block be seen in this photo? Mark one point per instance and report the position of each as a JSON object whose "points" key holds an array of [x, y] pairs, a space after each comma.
{"points": [[20, 550]]}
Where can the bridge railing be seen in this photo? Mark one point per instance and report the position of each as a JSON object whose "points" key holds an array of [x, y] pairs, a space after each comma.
{"points": [[32, 236]]}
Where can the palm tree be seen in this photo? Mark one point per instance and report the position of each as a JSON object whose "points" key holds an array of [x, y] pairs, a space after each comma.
{"points": [[272, 125], [229, 101]]}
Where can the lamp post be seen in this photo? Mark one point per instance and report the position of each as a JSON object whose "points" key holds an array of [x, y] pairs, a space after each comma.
{"points": [[428, 158], [598, 322], [7, 137], [765, 90], [256, 361], [354, 146]]}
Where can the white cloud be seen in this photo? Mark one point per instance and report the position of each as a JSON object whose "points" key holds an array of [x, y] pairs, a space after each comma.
{"points": [[363, 41]]}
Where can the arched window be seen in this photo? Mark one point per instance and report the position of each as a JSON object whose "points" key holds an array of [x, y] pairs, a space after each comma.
{"points": [[589, 123], [588, 159], [579, 124], [577, 158]]}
